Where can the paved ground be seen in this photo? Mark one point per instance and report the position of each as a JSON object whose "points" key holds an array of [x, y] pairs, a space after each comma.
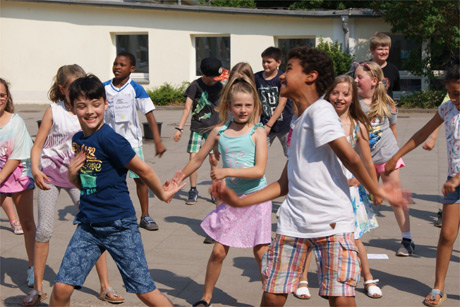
{"points": [[177, 257]]}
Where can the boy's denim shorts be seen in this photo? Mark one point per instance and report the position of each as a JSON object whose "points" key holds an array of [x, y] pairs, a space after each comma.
{"points": [[121, 238], [452, 198]]}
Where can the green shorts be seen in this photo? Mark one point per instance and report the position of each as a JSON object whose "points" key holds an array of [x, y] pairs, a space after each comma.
{"points": [[195, 141], [140, 153]]}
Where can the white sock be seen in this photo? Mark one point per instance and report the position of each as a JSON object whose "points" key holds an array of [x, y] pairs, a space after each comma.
{"points": [[406, 235]]}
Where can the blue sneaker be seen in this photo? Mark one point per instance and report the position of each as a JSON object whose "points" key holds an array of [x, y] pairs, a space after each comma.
{"points": [[192, 197], [406, 249], [148, 223], [30, 277]]}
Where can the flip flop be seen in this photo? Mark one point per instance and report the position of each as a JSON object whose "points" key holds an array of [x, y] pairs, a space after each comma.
{"points": [[34, 298], [373, 291], [435, 292], [116, 299], [302, 292], [202, 302]]}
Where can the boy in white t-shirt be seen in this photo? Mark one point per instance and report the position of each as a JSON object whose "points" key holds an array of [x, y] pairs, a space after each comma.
{"points": [[317, 210], [125, 98]]}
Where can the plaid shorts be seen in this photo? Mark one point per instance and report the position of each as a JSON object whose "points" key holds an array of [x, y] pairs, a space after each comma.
{"points": [[140, 153], [195, 141], [337, 261]]}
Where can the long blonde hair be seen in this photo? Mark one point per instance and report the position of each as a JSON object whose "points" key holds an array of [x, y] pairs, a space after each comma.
{"points": [[63, 75], [380, 99], [241, 80]]}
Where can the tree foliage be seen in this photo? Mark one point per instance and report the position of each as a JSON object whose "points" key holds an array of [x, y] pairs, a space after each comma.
{"points": [[433, 22], [231, 3], [342, 60], [328, 4]]}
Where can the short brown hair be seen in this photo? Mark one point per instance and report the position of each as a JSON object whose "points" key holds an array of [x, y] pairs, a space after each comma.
{"points": [[379, 38]]}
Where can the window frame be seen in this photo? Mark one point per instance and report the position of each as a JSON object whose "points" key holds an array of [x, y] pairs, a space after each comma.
{"points": [[139, 77]]}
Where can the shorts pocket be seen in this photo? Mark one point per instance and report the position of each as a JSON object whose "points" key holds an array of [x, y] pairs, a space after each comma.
{"points": [[348, 269]]}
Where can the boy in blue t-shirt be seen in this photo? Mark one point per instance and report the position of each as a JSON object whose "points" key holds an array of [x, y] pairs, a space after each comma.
{"points": [[125, 98], [276, 110], [107, 220]]}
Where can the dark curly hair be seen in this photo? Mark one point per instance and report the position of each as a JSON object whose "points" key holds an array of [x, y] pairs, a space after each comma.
{"points": [[315, 59]]}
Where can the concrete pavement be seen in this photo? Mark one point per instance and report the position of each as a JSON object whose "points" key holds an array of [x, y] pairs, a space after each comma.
{"points": [[177, 257]]}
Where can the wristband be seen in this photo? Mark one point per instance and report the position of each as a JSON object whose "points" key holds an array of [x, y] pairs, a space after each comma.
{"points": [[177, 128], [268, 126]]}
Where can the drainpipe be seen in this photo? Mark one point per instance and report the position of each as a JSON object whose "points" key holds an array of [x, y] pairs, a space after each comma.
{"points": [[346, 34]]}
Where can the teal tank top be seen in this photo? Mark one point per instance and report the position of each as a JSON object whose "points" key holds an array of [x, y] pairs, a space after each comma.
{"points": [[240, 152]]}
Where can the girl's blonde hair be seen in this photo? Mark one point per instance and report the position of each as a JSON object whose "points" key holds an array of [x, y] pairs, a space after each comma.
{"points": [[380, 100], [355, 111], [241, 80], [9, 107], [63, 75]]}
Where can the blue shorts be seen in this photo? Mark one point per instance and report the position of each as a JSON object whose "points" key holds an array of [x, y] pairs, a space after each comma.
{"points": [[452, 198], [121, 238]]}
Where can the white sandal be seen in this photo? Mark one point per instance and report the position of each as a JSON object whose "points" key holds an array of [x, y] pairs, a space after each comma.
{"points": [[302, 292], [373, 291]]}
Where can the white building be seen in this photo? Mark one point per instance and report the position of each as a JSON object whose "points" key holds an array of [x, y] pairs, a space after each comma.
{"points": [[169, 41]]}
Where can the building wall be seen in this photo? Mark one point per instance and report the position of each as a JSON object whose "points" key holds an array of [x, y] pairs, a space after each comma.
{"points": [[37, 38]]}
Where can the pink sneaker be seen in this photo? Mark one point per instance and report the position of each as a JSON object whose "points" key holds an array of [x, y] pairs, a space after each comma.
{"points": [[16, 227]]}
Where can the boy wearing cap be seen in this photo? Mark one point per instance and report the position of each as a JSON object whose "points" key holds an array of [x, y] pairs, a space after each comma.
{"points": [[202, 99]]}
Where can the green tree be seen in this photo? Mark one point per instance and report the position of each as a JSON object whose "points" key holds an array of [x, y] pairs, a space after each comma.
{"points": [[433, 22], [342, 60], [231, 3], [328, 4]]}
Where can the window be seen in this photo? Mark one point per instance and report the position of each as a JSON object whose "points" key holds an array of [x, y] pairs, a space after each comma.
{"points": [[138, 45], [212, 46], [286, 44]]}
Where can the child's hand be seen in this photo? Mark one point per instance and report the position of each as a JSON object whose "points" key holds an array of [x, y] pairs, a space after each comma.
{"points": [[267, 129], [40, 178], [377, 200], [450, 185], [171, 187], [390, 166], [218, 173], [77, 163], [353, 182], [177, 136], [221, 192], [160, 149], [395, 195], [214, 158], [429, 144]]}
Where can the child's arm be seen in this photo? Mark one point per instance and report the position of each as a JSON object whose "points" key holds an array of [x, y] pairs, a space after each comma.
{"points": [[255, 172], [353, 162], [160, 148], [201, 155], [74, 166], [272, 191], [183, 119], [276, 114], [451, 184], [149, 177], [8, 168], [35, 152], [414, 141], [429, 144]]}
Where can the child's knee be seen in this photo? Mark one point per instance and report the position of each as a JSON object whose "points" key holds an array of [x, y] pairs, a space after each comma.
{"points": [[218, 255], [43, 235], [61, 293]]}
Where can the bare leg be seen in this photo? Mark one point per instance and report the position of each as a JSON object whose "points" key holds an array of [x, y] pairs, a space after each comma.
{"points": [[143, 195], [447, 237], [61, 295], [154, 298], [103, 274], [342, 301], [273, 299], [259, 251], [41, 251], [24, 206], [194, 176], [401, 215], [8, 206], [218, 254], [362, 254]]}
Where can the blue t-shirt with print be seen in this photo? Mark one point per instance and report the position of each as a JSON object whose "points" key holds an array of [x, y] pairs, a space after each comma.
{"points": [[104, 195], [269, 96]]}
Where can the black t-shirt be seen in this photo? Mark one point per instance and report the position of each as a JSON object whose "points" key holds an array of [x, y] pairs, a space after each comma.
{"points": [[391, 75], [269, 96], [205, 101]]}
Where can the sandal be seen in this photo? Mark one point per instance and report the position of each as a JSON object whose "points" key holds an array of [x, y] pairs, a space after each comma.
{"points": [[202, 302], [434, 292], [302, 292], [373, 291], [34, 298], [116, 299]]}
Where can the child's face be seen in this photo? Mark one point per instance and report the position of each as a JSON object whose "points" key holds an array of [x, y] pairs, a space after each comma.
{"points": [[453, 89], [380, 53], [270, 65], [341, 97], [65, 90], [209, 81], [293, 79], [122, 68], [3, 97], [90, 113], [365, 83], [242, 107]]}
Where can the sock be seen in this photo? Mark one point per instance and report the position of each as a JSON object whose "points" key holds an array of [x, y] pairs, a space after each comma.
{"points": [[406, 235], [192, 188]]}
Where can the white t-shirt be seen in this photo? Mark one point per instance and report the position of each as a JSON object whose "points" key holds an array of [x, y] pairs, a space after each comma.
{"points": [[124, 103], [451, 116], [318, 202]]}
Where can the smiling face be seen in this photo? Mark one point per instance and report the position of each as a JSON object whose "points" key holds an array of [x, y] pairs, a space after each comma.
{"points": [[270, 65], [293, 79], [453, 89], [341, 97], [365, 82], [90, 113], [122, 69], [241, 107], [380, 54]]}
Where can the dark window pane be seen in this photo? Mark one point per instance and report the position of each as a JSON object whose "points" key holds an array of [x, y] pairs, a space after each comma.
{"points": [[286, 44], [218, 47], [138, 45], [400, 49], [411, 85]]}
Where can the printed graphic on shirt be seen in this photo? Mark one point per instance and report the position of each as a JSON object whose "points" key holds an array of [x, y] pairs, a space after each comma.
{"points": [[88, 173], [202, 103], [235, 160], [375, 134], [269, 97]]}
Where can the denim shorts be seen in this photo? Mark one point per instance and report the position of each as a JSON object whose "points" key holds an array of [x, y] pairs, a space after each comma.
{"points": [[121, 238], [452, 198]]}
